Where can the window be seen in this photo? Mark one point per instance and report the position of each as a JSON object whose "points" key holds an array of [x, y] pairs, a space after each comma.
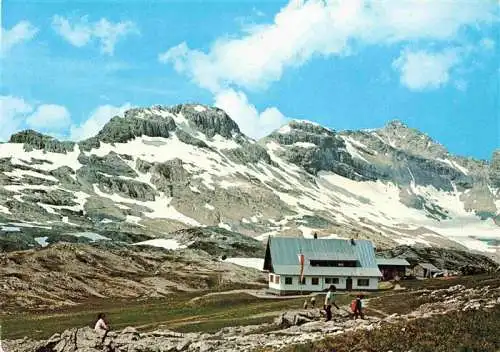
{"points": [[363, 282], [303, 281], [276, 279], [331, 280], [288, 280], [333, 263], [271, 278], [314, 281]]}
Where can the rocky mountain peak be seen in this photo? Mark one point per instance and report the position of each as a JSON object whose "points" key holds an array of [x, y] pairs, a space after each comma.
{"points": [[162, 121], [25, 135], [400, 136], [305, 134], [309, 127], [396, 124], [209, 120], [314, 148], [36, 140]]}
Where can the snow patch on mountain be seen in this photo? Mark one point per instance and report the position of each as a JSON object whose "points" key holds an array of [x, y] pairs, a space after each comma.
{"points": [[162, 243], [134, 220], [454, 165], [254, 263], [90, 235], [55, 160], [285, 129], [18, 173], [160, 207], [10, 229], [304, 145], [42, 241], [225, 226], [352, 150], [4, 209]]}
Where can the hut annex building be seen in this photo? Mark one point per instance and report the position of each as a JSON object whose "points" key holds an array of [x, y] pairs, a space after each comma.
{"points": [[304, 265]]}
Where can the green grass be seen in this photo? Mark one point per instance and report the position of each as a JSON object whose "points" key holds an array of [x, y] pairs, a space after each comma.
{"points": [[175, 312], [207, 313], [471, 331]]}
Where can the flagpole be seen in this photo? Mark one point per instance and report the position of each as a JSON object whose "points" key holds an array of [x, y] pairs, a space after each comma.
{"points": [[301, 274]]}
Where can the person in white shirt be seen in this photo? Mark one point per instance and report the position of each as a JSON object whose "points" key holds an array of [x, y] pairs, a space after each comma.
{"points": [[329, 301], [101, 327]]}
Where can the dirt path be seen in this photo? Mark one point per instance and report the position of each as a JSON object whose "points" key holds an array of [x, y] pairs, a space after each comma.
{"points": [[197, 319], [260, 294]]}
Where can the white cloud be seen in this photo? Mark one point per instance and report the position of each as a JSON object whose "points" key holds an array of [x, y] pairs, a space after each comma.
{"points": [[21, 32], [50, 118], [13, 112], [82, 32], [16, 114], [305, 29], [98, 118], [421, 70], [78, 35], [250, 121]]}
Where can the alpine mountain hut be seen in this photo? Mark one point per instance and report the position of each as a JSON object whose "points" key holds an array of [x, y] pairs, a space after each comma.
{"points": [[304, 265]]}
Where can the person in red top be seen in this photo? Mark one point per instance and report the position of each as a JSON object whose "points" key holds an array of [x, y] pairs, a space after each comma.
{"points": [[357, 307]]}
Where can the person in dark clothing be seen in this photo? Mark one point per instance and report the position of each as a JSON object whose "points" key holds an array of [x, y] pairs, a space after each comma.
{"points": [[329, 301], [358, 308]]}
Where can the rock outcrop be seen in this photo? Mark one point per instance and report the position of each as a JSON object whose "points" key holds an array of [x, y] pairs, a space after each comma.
{"points": [[35, 140]]}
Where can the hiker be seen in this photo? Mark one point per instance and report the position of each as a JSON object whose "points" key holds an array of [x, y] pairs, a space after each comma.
{"points": [[329, 301], [101, 327], [313, 301], [357, 307]]}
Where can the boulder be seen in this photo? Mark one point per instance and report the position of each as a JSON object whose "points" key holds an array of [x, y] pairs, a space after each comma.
{"points": [[183, 345], [298, 318], [79, 339]]}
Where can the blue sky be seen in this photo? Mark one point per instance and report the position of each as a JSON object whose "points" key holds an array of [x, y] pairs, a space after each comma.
{"points": [[68, 66]]}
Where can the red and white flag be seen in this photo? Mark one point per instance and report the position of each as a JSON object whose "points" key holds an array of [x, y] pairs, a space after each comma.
{"points": [[301, 262]]}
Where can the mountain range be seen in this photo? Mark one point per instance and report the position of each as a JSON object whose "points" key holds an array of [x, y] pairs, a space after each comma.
{"points": [[159, 170]]}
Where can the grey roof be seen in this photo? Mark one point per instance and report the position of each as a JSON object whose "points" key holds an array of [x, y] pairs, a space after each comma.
{"points": [[330, 256], [285, 251], [326, 271], [393, 261], [428, 266]]}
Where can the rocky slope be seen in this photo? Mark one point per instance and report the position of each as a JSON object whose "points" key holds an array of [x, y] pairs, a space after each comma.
{"points": [[289, 328], [465, 262], [64, 274], [159, 170]]}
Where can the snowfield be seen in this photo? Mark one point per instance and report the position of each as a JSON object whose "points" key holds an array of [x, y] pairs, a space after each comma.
{"points": [[254, 263], [162, 243]]}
